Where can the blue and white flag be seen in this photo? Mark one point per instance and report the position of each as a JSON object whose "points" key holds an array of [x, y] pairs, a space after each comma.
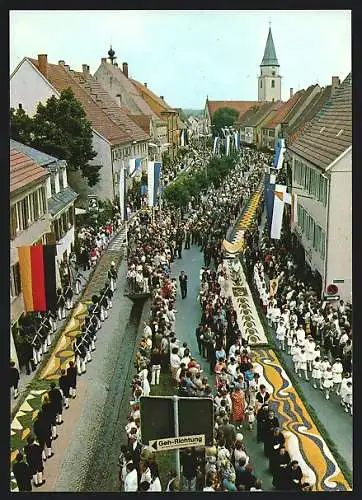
{"points": [[154, 173], [279, 153], [134, 165], [227, 145], [123, 191], [237, 140], [280, 198], [215, 144]]}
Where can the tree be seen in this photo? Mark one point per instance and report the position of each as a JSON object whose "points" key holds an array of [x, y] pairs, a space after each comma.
{"points": [[59, 128], [223, 117], [20, 126]]}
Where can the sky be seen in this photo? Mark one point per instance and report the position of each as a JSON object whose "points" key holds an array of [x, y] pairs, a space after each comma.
{"points": [[189, 55]]}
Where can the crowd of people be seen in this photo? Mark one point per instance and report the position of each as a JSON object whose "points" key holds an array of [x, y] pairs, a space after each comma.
{"points": [[28, 468], [37, 331], [315, 333], [238, 396]]}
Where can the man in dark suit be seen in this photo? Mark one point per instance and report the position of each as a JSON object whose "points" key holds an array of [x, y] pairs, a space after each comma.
{"points": [[22, 473], [183, 284]]}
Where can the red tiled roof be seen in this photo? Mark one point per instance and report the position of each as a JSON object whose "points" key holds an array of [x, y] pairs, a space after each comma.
{"points": [[284, 110], [24, 170], [305, 117], [241, 106], [61, 78], [130, 88], [142, 89], [267, 109], [329, 133], [109, 106], [142, 121]]}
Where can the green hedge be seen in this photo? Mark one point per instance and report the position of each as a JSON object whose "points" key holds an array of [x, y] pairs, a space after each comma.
{"points": [[193, 183]]}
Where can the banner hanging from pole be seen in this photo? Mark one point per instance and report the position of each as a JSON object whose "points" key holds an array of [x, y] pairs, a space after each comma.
{"points": [[122, 191], [38, 277], [278, 209]]}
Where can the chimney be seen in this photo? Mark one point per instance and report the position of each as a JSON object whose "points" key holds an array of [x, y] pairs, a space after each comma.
{"points": [[85, 69], [66, 66], [43, 64], [103, 60], [145, 84], [125, 69], [335, 82], [291, 91], [162, 97], [61, 63], [115, 64]]}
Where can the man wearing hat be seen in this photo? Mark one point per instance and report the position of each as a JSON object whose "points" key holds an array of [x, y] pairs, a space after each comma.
{"points": [[112, 276]]}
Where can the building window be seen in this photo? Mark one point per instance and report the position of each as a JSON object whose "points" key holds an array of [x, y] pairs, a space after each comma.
{"points": [[61, 185], [13, 222], [261, 84], [15, 283], [273, 83], [273, 73]]}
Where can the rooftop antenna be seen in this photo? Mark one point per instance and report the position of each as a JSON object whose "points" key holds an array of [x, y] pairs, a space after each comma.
{"points": [[269, 22]]}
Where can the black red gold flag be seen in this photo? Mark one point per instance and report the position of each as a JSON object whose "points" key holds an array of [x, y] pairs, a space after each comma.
{"points": [[38, 279]]}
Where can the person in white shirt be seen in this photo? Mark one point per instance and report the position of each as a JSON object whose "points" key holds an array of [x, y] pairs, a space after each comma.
{"points": [[317, 373], [328, 380], [232, 366], [175, 361], [295, 351], [290, 333], [147, 330], [300, 336], [143, 374], [281, 331], [131, 479], [345, 379], [337, 370], [347, 398], [302, 365], [275, 315], [309, 347]]}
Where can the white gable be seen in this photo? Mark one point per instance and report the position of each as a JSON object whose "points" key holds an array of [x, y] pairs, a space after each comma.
{"points": [[28, 87]]}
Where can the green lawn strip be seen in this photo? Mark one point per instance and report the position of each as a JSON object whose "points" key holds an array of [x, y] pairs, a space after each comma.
{"points": [[322, 430]]}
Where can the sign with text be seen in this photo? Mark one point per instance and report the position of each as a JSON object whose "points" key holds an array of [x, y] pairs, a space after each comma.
{"points": [[177, 442], [195, 418]]}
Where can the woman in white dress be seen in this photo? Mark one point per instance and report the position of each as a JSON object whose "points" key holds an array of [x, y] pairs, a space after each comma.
{"points": [[302, 365], [317, 373], [295, 351], [328, 381], [337, 370], [143, 374], [290, 334], [309, 349]]}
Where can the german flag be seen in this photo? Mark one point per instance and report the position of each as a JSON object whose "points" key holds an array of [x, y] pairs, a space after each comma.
{"points": [[37, 274]]}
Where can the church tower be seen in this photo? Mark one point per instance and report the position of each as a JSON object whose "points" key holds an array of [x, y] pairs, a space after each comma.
{"points": [[269, 81]]}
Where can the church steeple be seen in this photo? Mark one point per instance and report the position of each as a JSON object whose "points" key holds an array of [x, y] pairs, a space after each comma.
{"points": [[269, 80], [270, 57]]}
